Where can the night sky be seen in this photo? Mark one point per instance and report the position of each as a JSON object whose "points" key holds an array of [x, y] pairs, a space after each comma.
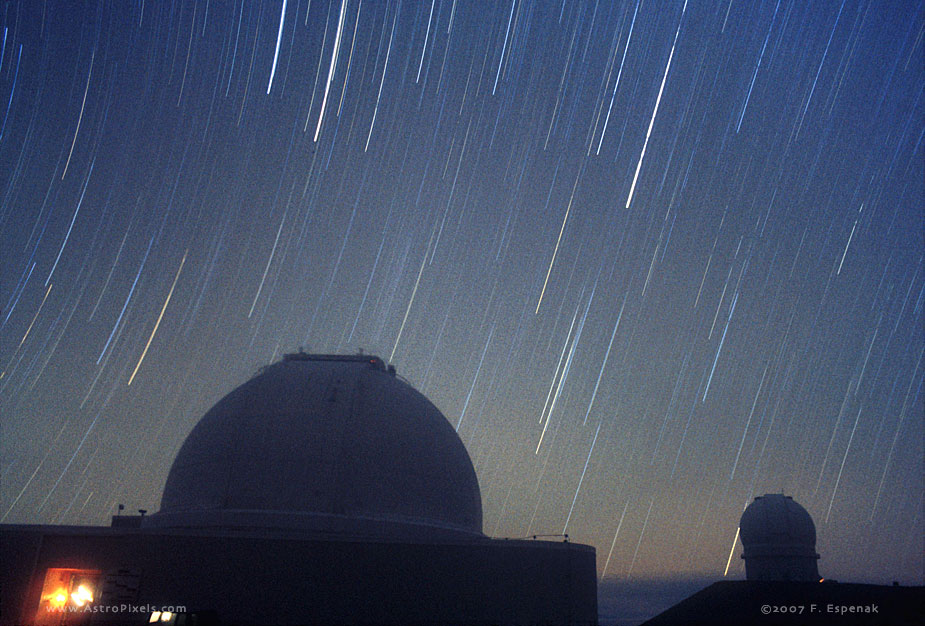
{"points": [[650, 258]]}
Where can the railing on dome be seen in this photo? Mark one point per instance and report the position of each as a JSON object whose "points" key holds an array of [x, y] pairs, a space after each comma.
{"points": [[563, 536], [373, 360]]}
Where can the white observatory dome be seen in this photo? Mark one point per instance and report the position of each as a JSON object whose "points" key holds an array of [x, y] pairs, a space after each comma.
{"points": [[324, 444], [779, 538]]}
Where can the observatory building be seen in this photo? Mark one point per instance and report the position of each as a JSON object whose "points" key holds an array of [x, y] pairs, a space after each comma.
{"points": [[325, 490], [782, 585], [336, 446], [779, 538]]}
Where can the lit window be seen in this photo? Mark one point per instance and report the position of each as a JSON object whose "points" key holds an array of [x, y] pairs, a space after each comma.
{"points": [[155, 617], [63, 590]]}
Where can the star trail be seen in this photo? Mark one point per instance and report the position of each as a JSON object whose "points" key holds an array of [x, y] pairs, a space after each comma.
{"points": [[651, 259]]}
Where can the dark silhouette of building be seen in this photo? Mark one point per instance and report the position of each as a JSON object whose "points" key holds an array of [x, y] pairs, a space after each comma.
{"points": [[325, 490], [761, 602]]}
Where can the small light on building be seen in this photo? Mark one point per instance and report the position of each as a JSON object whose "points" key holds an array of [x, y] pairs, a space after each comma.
{"points": [[166, 615], [155, 617]]}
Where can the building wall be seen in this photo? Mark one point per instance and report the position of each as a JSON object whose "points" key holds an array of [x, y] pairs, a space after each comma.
{"points": [[249, 579], [781, 567]]}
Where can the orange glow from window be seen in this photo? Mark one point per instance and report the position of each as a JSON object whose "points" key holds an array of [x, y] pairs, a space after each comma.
{"points": [[59, 597], [64, 589]]}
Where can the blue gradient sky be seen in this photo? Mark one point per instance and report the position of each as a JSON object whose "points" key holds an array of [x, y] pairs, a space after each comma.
{"points": [[652, 259]]}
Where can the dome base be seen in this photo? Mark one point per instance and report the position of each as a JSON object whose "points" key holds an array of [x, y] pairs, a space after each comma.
{"points": [[315, 524]]}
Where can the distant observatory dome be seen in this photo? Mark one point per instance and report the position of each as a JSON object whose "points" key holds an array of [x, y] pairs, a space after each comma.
{"points": [[779, 538], [326, 444]]}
